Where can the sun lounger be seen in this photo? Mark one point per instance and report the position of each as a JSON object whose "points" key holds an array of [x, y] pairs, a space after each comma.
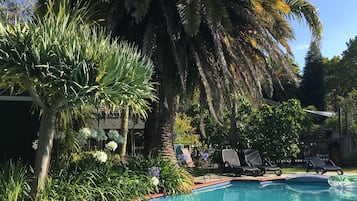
{"points": [[232, 164], [253, 159]]}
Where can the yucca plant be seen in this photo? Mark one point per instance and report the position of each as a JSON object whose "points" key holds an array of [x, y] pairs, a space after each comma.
{"points": [[14, 181], [62, 63]]}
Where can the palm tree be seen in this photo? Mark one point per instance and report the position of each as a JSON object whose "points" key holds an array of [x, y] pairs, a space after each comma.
{"points": [[220, 46], [63, 63]]}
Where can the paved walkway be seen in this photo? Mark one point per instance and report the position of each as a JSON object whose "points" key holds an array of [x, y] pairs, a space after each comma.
{"points": [[211, 177]]}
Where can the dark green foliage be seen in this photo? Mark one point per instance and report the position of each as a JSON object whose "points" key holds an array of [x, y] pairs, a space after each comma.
{"points": [[341, 84], [348, 109], [277, 130], [87, 179], [94, 181], [341, 75], [217, 135], [349, 66], [274, 131], [312, 85]]}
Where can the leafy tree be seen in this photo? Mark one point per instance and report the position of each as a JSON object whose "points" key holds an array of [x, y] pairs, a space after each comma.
{"points": [[348, 107], [275, 131], [349, 67], [186, 133], [341, 72], [63, 63], [218, 137], [278, 129], [312, 85], [341, 86]]}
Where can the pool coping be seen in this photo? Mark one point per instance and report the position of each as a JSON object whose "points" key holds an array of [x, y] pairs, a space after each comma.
{"points": [[222, 181]]}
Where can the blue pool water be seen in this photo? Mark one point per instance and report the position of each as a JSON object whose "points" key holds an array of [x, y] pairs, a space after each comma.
{"points": [[268, 191]]}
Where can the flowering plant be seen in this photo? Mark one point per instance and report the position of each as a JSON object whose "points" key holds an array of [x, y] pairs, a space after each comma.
{"points": [[112, 146], [154, 171], [85, 132], [114, 135], [155, 181], [100, 156], [204, 155], [35, 144], [101, 136]]}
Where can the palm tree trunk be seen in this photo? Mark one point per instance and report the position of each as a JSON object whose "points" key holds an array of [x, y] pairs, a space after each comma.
{"points": [[159, 128], [166, 126], [124, 129], [43, 153], [160, 123]]}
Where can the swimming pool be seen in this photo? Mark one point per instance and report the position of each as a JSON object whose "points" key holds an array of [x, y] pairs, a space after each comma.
{"points": [[265, 191]]}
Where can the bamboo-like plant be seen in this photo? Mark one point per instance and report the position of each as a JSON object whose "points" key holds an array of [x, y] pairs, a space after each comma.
{"points": [[14, 181], [62, 63]]}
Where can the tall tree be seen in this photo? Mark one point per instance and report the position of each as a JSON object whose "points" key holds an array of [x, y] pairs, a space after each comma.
{"points": [[221, 45], [341, 76], [312, 85], [63, 63]]}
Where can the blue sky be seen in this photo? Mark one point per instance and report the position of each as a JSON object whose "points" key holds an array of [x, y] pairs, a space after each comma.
{"points": [[339, 20]]}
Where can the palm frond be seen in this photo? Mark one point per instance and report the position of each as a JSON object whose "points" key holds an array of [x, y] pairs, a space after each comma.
{"points": [[302, 9], [216, 14], [190, 15]]}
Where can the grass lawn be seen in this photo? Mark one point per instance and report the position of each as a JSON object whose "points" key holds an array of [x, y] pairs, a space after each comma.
{"points": [[348, 170]]}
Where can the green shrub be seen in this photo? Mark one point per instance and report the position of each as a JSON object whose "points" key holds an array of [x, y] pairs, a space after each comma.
{"points": [[88, 179], [14, 182], [172, 179]]}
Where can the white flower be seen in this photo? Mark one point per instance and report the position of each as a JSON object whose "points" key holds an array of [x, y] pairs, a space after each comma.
{"points": [[112, 146], [155, 181], [86, 132], [35, 144], [100, 156]]}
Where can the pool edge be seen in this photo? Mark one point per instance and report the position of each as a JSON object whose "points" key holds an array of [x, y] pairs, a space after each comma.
{"points": [[222, 181]]}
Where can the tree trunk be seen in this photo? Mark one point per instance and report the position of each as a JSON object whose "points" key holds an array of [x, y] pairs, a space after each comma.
{"points": [[124, 128], [160, 123], [166, 125], [159, 129], [43, 153]]}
